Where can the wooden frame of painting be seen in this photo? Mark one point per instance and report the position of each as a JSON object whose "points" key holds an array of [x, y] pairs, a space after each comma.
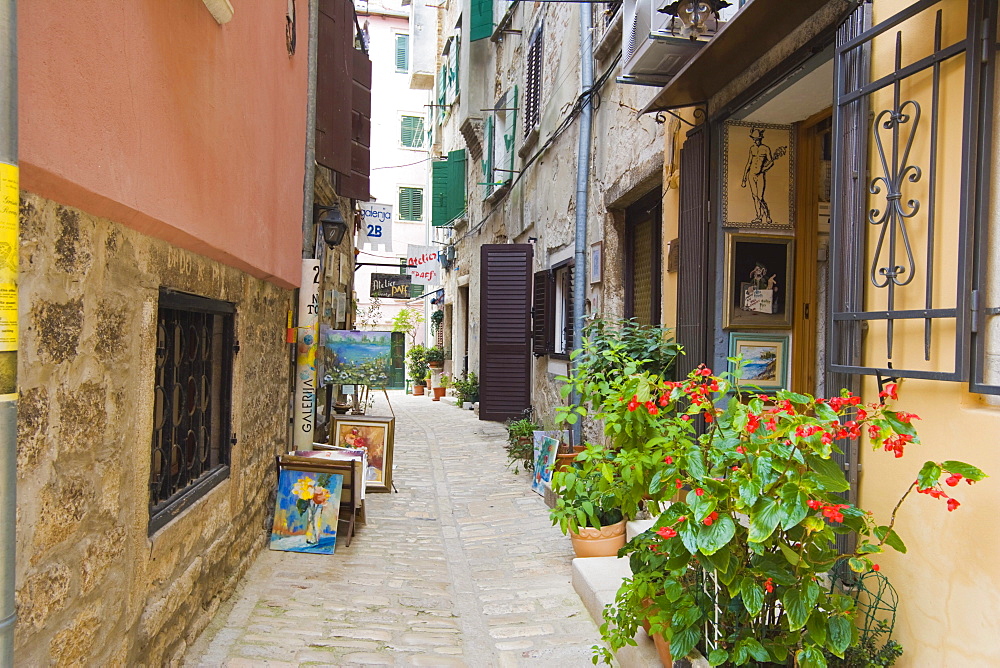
{"points": [[375, 433], [303, 523], [758, 282], [596, 261], [765, 359], [758, 175]]}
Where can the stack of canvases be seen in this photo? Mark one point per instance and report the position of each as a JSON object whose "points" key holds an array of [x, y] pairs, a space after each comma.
{"points": [[321, 492]]}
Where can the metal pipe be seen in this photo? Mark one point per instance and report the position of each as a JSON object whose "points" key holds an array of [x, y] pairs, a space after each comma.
{"points": [[309, 182], [582, 192], [9, 195]]}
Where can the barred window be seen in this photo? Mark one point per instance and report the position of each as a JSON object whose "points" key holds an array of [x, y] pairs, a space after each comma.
{"points": [[191, 402]]}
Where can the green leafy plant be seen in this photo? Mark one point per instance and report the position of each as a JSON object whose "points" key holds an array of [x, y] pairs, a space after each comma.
{"points": [[437, 317], [467, 388], [445, 381], [744, 552], [416, 364], [434, 355], [520, 442]]}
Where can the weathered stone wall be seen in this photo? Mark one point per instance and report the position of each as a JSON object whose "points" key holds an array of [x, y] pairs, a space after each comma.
{"points": [[92, 587]]}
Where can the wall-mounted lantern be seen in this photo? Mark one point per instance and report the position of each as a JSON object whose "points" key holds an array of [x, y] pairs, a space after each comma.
{"points": [[332, 224]]}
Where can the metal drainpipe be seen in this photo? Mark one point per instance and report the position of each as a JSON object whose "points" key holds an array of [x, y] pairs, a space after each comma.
{"points": [[308, 228], [8, 402], [582, 192]]}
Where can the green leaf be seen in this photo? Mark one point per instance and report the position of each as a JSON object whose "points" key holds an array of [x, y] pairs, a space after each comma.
{"points": [[793, 507], [694, 464], [828, 474], [713, 538], [753, 596], [814, 524], [794, 397], [965, 470], [791, 555], [756, 650], [839, 632], [657, 482], [717, 657], [928, 475], [701, 506], [859, 565], [685, 617], [898, 425], [688, 532], [795, 606], [810, 657], [892, 540], [681, 643], [763, 519], [817, 627], [824, 412]]}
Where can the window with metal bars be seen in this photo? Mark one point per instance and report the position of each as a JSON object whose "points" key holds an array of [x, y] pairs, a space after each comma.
{"points": [[411, 203], [195, 346], [402, 52], [533, 82], [411, 131]]}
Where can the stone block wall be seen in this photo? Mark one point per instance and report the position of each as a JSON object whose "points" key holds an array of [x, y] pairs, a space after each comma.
{"points": [[93, 588]]}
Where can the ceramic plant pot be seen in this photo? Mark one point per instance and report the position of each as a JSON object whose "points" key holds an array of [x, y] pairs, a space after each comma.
{"points": [[603, 542], [663, 649], [418, 390], [439, 392]]}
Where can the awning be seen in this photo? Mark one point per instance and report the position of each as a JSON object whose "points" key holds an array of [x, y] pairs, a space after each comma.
{"points": [[758, 27]]}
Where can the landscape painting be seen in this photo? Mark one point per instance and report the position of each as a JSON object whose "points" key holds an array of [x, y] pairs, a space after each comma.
{"points": [[361, 358], [765, 359], [306, 511]]}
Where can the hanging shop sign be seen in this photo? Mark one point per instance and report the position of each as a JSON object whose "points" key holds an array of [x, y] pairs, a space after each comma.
{"points": [[423, 264], [391, 286], [376, 226]]}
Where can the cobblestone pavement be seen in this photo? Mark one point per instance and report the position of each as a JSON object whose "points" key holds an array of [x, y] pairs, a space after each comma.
{"points": [[461, 567]]}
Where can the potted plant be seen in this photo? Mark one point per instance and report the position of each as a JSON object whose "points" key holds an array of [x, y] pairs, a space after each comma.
{"points": [[437, 317], [467, 389], [417, 367], [746, 548], [520, 442], [435, 357], [587, 507], [442, 387]]}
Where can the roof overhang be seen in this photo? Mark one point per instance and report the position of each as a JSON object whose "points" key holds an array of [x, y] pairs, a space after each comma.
{"points": [[758, 27]]}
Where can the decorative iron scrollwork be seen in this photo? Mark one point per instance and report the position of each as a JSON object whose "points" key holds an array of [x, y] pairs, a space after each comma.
{"points": [[892, 218]]}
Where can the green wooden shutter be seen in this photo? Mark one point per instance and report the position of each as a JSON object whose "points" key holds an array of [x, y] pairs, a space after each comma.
{"points": [[411, 203], [411, 133], [402, 53], [456, 184], [488, 155], [417, 290], [510, 133], [481, 20], [440, 187]]}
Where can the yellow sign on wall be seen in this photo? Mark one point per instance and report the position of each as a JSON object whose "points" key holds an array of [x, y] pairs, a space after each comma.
{"points": [[9, 201]]}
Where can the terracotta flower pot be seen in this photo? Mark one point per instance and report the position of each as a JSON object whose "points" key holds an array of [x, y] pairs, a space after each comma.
{"points": [[663, 649], [439, 392], [418, 390], [603, 542], [564, 461]]}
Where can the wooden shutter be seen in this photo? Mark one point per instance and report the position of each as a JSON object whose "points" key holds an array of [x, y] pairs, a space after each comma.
{"points": [[695, 277], [642, 259], [440, 187], [411, 203], [533, 82], [411, 131], [334, 85], [542, 314], [402, 53], [481, 20], [505, 337], [569, 327], [357, 185], [456, 184]]}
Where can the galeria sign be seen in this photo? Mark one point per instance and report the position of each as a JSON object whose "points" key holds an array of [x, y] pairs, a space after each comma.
{"points": [[376, 225], [423, 264]]}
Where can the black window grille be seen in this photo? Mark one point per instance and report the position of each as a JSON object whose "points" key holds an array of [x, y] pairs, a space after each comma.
{"points": [[195, 345], [533, 83], [908, 121]]}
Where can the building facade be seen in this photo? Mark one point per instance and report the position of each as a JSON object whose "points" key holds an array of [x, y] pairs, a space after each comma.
{"points": [[162, 217]]}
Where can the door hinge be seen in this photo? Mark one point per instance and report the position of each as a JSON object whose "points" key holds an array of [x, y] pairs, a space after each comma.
{"points": [[232, 439], [974, 307], [236, 347]]}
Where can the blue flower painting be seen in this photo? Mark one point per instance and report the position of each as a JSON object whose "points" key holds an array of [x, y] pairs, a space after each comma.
{"points": [[306, 511]]}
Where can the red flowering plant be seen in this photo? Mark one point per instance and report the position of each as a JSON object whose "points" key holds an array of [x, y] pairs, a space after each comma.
{"points": [[738, 567]]}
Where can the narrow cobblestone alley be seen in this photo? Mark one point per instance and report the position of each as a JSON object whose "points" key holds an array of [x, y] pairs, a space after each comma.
{"points": [[461, 567]]}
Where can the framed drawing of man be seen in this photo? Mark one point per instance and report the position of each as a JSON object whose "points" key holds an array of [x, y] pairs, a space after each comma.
{"points": [[758, 168]]}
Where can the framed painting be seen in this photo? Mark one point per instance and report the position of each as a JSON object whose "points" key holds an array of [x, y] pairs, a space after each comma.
{"points": [[758, 282], [596, 261], [545, 456], [758, 167], [361, 358], [765, 360], [373, 434], [306, 510]]}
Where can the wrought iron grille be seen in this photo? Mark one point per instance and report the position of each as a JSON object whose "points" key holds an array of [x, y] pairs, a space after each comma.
{"points": [[191, 442], [904, 192]]}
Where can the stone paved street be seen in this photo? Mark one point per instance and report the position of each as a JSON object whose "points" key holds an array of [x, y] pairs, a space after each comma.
{"points": [[461, 567]]}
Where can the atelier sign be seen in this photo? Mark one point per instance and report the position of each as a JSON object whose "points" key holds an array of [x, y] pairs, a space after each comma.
{"points": [[391, 286]]}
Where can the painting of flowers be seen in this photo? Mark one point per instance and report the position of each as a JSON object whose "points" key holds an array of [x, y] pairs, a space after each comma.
{"points": [[372, 434], [306, 511]]}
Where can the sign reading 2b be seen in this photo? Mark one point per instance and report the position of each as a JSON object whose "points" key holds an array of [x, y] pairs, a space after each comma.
{"points": [[376, 223]]}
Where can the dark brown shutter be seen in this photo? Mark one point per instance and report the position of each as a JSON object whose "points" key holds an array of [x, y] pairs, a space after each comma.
{"points": [[694, 297], [505, 338], [642, 254], [357, 186], [542, 320], [334, 85], [570, 326]]}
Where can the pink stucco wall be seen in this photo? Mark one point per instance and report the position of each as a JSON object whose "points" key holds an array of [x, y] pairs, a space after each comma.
{"points": [[151, 114]]}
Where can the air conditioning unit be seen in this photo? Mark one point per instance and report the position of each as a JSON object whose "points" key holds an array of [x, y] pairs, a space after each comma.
{"points": [[653, 52]]}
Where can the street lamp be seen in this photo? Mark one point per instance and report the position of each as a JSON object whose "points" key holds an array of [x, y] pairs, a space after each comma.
{"points": [[332, 223], [694, 14]]}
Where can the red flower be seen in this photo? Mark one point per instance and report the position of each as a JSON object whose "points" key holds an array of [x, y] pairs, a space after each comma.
{"points": [[679, 483], [709, 418], [769, 585], [664, 400], [953, 504], [740, 450], [632, 405], [813, 503], [686, 418], [668, 460], [666, 532], [708, 521], [654, 410], [890, 391], [954, 480], [699, 491], [875, 567]]}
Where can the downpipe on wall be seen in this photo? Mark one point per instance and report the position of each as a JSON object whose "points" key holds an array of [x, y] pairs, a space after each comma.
{"points": [[582, 192], [9, 204]]}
